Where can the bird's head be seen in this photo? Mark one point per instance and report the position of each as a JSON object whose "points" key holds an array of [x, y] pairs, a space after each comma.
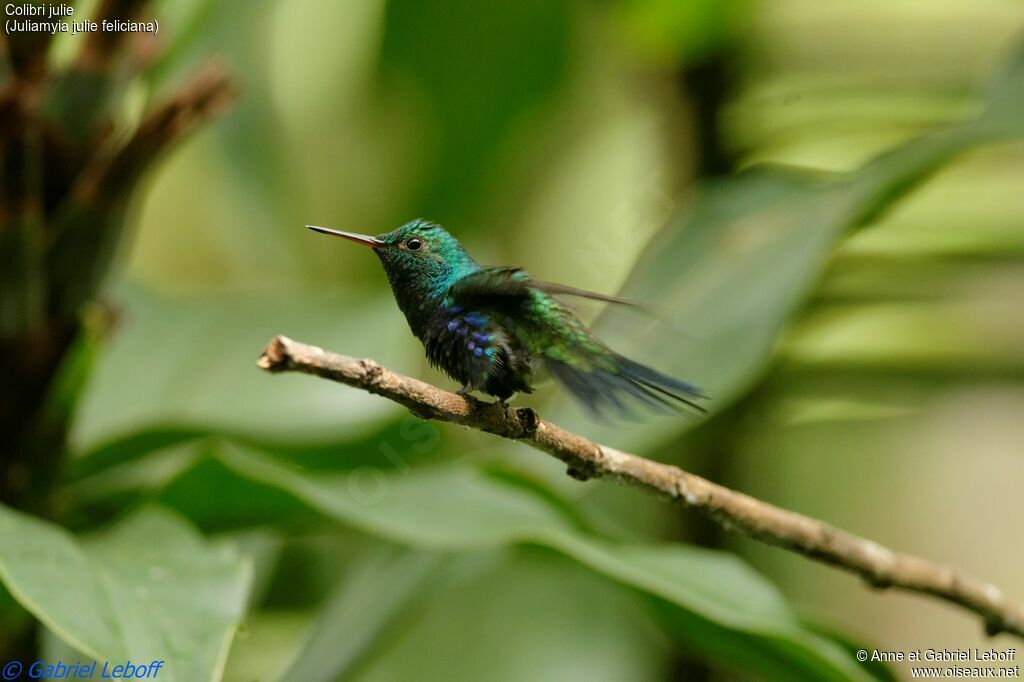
{"points": [[420, 257]]}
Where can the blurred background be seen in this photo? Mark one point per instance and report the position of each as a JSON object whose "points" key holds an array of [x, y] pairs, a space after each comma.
{"points": [[843, 281]]}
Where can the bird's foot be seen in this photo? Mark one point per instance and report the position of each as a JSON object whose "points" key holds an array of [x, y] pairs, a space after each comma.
{"points": [[464, 391], [503, 402]]}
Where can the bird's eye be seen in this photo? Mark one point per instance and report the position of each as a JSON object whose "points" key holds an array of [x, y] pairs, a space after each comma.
{"points": [[413, 244]]}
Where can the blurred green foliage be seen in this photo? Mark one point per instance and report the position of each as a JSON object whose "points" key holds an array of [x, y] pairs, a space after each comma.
{"points": [[838, 332], [102, 596]]}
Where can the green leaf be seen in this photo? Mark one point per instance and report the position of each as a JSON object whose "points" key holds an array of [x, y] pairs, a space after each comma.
{"points": [[524, 614], [262, 651], [189, 365], [516, 52], [148, 589], [732, 269], [1003, 117], [362, 609], [728, 611]]}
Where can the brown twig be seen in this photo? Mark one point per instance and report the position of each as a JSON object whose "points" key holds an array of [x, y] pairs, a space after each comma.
{"points": [[880, 566], [87, 223], [205, 95], [100, 47]]}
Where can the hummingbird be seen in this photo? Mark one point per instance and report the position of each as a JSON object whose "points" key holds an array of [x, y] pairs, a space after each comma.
{"points": [[493, 329]]}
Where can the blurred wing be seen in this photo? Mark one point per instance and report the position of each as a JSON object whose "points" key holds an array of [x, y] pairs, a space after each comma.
{"points": [[591, 371], [516, 282], [600, 380]]}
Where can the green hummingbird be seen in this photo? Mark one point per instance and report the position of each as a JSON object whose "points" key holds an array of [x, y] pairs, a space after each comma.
{"points": [[492, 328]]}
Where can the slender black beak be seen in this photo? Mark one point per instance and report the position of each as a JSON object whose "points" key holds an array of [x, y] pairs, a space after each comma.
{"points": [[363, 239]]}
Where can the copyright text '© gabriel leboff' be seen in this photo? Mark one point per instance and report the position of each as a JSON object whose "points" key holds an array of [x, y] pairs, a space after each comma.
{"points": [[59, 670]]}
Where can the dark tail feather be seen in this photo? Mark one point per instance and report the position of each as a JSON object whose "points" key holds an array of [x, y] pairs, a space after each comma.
{"points": [[597, 388], [578, 384], [673, 388]]}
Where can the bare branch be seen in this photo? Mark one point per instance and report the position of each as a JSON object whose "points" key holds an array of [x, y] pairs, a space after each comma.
{"points": [[100, 47], [205, 95], [879, 566]]}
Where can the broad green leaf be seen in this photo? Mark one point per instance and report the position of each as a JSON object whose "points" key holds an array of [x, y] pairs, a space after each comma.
{"points": [[148, 589], [740, 262], [262, 651], [100, 482], [727, 609], [879, 669], [179, 366], [362, 609], [522, 615], [1002, 118], [516, 52]]}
